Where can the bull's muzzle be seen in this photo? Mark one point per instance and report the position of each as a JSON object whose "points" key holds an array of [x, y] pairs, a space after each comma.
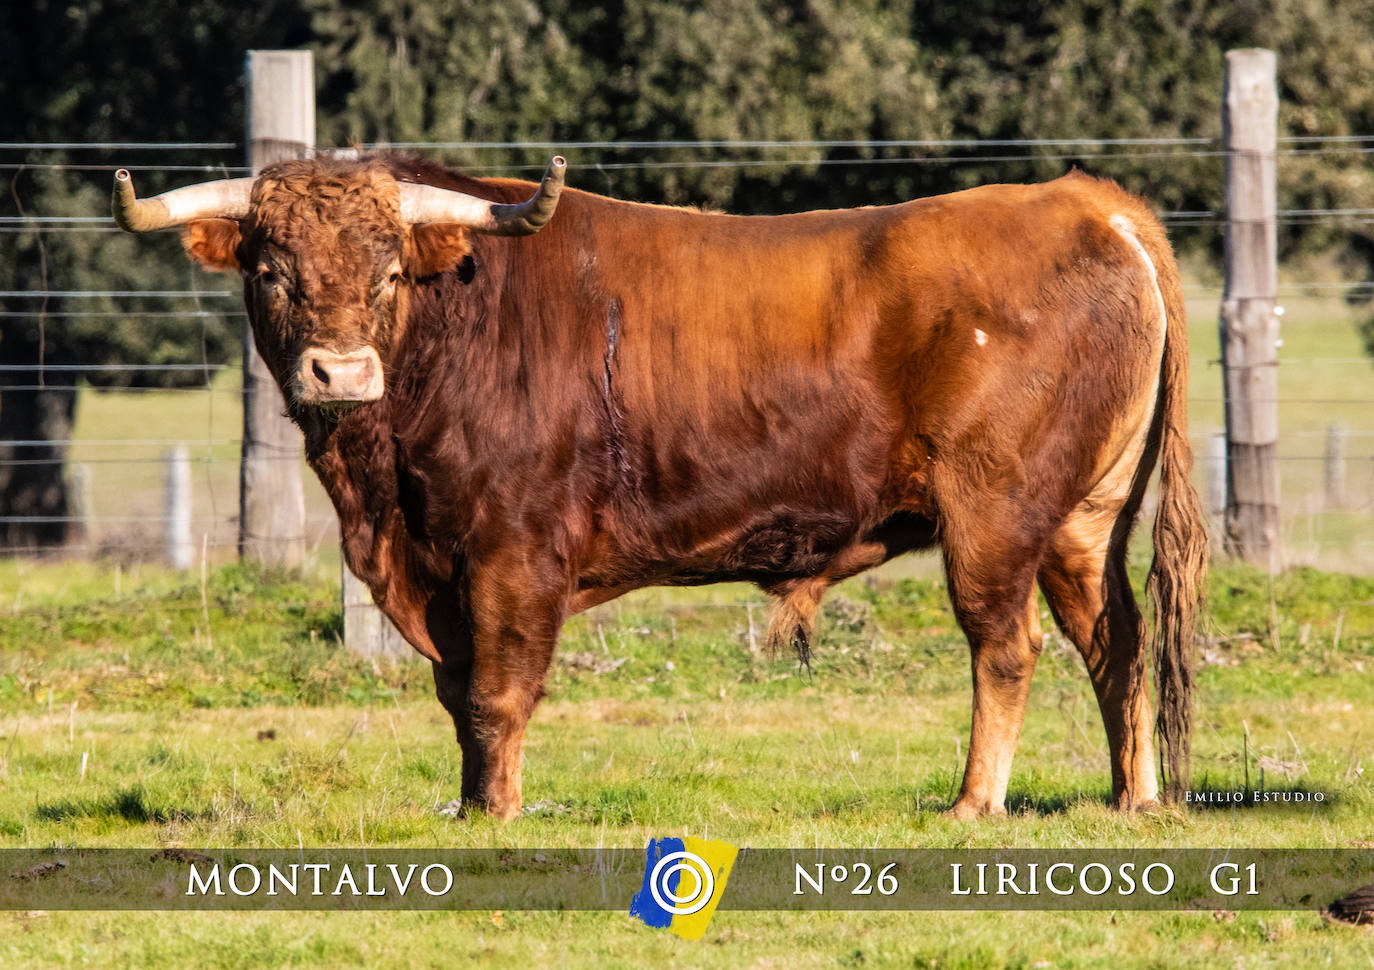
{"points": [[326, 377]]}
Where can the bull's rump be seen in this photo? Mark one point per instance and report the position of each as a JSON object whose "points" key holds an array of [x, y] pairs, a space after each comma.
{"points": [[788, 387]]}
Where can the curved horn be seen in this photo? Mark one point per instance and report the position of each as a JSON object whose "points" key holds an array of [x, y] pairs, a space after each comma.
{"points": [[425, 203], [221, 199]]}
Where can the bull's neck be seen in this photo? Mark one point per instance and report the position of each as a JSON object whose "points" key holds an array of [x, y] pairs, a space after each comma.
{"points": [[355, 462]]}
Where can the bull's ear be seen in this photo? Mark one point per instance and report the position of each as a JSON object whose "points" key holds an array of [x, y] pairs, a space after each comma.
{"points": [[436, 247], [212, 243]]}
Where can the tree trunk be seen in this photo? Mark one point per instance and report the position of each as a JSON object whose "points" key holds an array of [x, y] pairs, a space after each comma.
{"points": [[34, 509]]}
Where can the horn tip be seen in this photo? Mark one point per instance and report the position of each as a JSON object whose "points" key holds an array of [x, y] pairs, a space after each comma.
{"points": [[122, 175]]}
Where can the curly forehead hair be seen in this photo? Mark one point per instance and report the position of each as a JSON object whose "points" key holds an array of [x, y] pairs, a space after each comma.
{"points": [[290, 193]]}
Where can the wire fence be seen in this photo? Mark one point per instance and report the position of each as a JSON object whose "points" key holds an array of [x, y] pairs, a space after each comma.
{"points": [[117, 456]]}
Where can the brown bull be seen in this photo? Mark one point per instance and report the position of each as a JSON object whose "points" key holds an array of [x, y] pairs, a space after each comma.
{"points": [[516, 429]]}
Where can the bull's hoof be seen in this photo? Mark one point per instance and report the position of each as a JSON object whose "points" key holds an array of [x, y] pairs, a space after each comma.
{"points": [[1131, 804], [471, 807], [968, 809]]}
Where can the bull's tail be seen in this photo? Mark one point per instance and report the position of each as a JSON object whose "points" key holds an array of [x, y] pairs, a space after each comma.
{"points": [[1179, 570]]}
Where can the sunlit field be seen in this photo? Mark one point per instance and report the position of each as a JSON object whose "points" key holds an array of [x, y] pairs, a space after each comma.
{"points": [[171, 714]]}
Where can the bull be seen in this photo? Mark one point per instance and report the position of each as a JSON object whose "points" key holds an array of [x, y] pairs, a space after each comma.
{"points": [[524, 402]]}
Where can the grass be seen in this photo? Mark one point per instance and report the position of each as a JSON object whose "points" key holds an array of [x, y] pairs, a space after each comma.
{"points": [[140, 708], [128, 720]]}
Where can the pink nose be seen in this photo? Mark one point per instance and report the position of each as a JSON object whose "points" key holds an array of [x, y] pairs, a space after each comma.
{"points": [[326, 377]]}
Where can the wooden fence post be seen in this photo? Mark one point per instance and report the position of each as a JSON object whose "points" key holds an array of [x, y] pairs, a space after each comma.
{"points": [[1216, 480], [176, 508], [1333, 466], [1249, 321], [83, 505], [367, 631], [281, 125]]}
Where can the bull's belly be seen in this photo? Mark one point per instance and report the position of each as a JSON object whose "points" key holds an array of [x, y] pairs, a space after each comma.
{"points": [[771, 552]]}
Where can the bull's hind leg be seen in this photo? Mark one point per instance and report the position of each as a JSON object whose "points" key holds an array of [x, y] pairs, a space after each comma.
{"points": [[1084, 579], [991, 573]]}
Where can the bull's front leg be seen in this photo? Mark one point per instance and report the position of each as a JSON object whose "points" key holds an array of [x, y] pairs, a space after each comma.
{"points": [[490, 679]]}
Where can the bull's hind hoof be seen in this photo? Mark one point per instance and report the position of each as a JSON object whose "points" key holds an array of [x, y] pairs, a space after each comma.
{"points": [[966, 810], [1133, 806], [473, 808]]}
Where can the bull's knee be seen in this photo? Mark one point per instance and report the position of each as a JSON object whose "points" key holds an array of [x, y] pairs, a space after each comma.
{"points": [[1004, 666]]}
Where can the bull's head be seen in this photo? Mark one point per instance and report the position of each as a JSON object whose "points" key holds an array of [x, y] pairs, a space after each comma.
{"points": [[328, 251]]}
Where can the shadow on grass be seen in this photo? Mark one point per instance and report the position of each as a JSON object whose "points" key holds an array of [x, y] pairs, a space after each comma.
{"points": [[832, 803], [1053, 803], [129, 804], [1028, 798]]}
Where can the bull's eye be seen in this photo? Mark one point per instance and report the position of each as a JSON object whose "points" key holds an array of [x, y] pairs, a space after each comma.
{"points": [[269, 277], [386, 289]]}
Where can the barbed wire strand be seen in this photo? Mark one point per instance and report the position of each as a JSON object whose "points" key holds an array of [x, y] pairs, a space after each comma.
{"points": [[1183, 148]]}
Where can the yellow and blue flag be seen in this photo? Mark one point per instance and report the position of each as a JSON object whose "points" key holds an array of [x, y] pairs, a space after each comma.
{"points": [[683, 882]]}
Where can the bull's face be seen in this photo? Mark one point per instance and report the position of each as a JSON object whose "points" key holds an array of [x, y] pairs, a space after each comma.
{"points": [[329, 252], [325, 259]]}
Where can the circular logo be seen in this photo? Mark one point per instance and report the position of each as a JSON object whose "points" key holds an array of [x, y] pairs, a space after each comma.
{"points": [[683, 904]]}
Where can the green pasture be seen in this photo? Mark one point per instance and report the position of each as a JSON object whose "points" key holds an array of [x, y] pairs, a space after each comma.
{"points": [[146, 708], [174, 714]]}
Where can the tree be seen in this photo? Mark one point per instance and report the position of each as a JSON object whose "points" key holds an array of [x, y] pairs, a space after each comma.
{"points": [[635, 70], [112, 71], [562, 72], [395, 71]]}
